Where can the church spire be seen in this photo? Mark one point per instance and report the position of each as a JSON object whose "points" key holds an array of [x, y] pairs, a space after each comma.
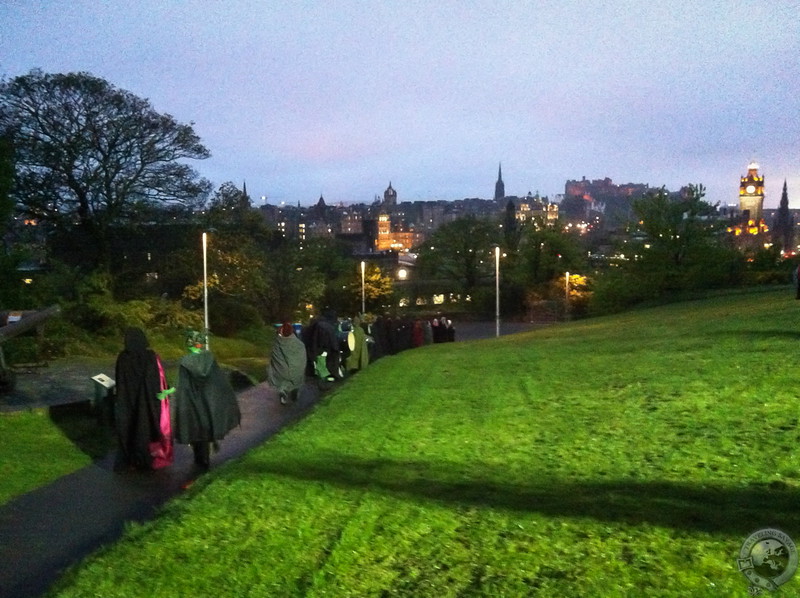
{"points": [[390, 196], [499, 186], [783, 225], [244, 200]]}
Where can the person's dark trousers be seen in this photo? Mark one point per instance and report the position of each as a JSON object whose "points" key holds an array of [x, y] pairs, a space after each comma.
{"points": [[202, 455]]}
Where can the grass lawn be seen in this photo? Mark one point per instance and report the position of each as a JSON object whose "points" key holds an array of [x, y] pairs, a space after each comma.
{"points": [[622, 456], [41, 445], [35, 450]]}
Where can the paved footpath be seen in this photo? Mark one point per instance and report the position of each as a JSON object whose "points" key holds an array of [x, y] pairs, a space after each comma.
{"points": [[45, 531]]}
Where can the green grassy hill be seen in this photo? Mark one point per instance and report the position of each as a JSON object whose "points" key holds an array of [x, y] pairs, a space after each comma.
{"points": [[622, 456]]}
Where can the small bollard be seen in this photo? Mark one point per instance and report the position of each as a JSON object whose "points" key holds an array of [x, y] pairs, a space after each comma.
{"points": [[101, 403]]}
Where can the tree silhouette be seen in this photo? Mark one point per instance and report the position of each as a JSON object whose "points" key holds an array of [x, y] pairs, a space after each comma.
{"points": [[89, 155]]}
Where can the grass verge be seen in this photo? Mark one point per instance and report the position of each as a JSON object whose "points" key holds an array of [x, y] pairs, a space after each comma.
{"points": [[35, 451], [40, 445], [622, 456]]}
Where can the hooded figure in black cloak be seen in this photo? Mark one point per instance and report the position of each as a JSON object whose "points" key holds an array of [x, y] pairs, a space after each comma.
{"points": [[206, 408], [378, 333], [322, 345], [137, 408]]}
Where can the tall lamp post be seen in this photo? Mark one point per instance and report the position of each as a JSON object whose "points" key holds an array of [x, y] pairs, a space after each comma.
{"points": [[363, 295], [497, 289], [205, 285]]}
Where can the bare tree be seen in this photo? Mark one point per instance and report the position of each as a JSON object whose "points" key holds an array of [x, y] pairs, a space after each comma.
{"points": [[88, 155]]}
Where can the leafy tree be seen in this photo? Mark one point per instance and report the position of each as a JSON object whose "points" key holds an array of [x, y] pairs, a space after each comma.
{"points": [[460, 250], [89, 155], [573, 293], [236, 283], [229, 197], [329, 256], [546, 253], [542, 254], [332, 259], [234, 268], [231, 207], [231, 212], [511, 228], [677, 230], [292, 281], [682, 250], [573, 207], [378, 287]]}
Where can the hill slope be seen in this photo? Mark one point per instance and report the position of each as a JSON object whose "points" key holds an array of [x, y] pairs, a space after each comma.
{"points": [[622, 456]]}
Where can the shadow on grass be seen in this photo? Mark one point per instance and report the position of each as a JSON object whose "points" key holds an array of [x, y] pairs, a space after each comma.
{"points": [[706, 508], [89, 430], [762, 334]]}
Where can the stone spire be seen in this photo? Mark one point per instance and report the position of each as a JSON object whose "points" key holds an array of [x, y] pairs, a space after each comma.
{"points": [[783, 225], [499, 186]]}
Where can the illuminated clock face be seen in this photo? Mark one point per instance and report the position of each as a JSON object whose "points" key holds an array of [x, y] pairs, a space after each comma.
{"points": [[750, 189]]}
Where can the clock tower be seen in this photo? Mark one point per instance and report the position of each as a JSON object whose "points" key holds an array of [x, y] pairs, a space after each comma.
{"points": [[751, 195]]}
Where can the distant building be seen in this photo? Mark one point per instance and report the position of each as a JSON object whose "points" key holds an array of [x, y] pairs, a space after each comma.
{"points": [[320, 211], [532, 207], [432, 215], [783, 224], [351, 221], [751, 230], [395, 237], [390, 196], [499, 186], [603, 196], [751, 195]]}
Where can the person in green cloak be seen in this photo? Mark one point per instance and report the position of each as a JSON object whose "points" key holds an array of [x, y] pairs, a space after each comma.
{"points": [[286, 371], [206, 407], [359, 356]]}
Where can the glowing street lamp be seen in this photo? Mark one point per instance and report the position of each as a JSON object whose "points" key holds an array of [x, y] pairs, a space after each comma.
{"points": [[497, 289], [205, 285], [363, 295]]}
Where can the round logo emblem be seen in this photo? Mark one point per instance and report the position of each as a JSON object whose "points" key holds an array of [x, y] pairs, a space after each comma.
{"points": [[768, 558]]}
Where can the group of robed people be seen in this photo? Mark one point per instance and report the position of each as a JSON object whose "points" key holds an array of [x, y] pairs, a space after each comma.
{"points": [[329, 348], [150, 415]]}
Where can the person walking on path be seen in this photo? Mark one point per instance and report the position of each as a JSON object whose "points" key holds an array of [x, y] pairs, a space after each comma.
{"points": [[286, 371], [45, 531], [141, 409], [322, 346], [359, 356], [206, 408], [796, 281]]}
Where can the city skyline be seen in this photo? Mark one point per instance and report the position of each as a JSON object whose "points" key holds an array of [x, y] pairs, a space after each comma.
{"points": [[302, 100]]}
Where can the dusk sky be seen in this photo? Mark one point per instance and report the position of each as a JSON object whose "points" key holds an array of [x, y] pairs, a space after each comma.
{"points": [[339, 98]]}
